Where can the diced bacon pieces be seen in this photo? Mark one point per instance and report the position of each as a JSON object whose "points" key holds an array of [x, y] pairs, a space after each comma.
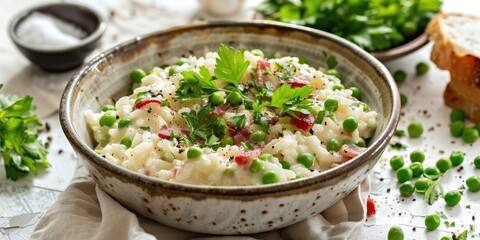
{"points": [[303, 121], [219, 110], [371, 209], [145, 102], [349, 152], [298, 81], [263, 65], [165, 132], [245, 158], [239, 135]]}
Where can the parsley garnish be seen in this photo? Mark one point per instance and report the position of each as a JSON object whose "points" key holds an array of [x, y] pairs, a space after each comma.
{"points": [[203, 124], [397, 145], [194, 85], [449, 224], [434, 191], [19, 144], [399, 133], [291, 100], [463, 235], [238, 122], [231, 65]]}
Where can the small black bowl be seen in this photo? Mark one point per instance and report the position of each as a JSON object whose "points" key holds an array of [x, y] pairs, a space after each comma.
{"points": [[64, 58]]}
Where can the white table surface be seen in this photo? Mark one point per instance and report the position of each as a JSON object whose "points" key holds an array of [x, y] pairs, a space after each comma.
{"points": [[22, 203]]}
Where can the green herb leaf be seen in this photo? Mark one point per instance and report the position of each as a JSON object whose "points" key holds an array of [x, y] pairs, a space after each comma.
{"points": [[399, 133], [238, 121], [285, 93], [463, 235], [231, 65], [397, 145], [195, 86], [203, 124]]}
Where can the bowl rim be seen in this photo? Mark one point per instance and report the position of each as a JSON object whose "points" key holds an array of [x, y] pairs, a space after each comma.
{"points": [[376, 147], [22, 15]]}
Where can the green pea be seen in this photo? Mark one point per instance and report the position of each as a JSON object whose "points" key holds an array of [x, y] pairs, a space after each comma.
{"points": [[431, 172], [258, 52], [476, 162], [108, 107], [356, 93], [285, 164], [470, 135], [137, 75], [181, 61], [409, 29], [230, 88], [234, 99], [395, 233], [266, 157], [404, 174], [400, 76], [406, 189], [432, 222], [107, 119], [338, 87], [126, 141], [124, 123], [452, 198], [306, 159], [443, 164], [417, 156], [473, 183], [333, 145], [364, 106], [269, 177], [456, 157], [227, 141], [396, 162], [457, 115], [456, 128], [345, 141], [216, 99], [417, 169], [331, 104], [403, 99], [194, 152], [415, 129], [171, 71], [256, 166], [422, 184], [333, 72], [422, 68], [446, 238], [228, 172], [361, 143], [258, 136], [350, 124]]}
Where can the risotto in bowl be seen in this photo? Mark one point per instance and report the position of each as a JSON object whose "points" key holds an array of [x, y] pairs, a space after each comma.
{"points": [[230, 128]]}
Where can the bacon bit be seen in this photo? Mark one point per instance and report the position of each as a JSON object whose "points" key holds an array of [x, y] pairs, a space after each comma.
{"points": [[303, 121], [145, 102], [298, 81], [165, 132], [175, 171], [147, 172], [271, 120], [219, 110], [239, 135], [246, 157], [371, 209], [351, 152], [263, 65]]}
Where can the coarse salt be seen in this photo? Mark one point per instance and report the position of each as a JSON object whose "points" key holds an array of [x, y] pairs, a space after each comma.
{"points": [[48, 32]]}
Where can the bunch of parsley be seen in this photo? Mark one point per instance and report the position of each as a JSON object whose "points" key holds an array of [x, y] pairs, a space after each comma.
{"points": [[19, 144], [374, 25]]}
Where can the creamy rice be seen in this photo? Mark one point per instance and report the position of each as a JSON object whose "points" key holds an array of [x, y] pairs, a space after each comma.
{"points": [[154, 152]]}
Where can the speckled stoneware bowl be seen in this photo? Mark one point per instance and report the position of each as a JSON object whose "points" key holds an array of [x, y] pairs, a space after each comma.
{"points": [[226, 210]]}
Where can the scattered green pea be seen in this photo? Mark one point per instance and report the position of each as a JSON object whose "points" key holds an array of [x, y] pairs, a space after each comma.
{"points": [[350, 124], [171, 71], [333, 72], [107, 119], [470, 135], [361, 143], [124, 123], [395, 233], [285, 164], [406, 189], [234, 99], [364, 106], [306, 159], [473, 183], [216, 99], [456, 157], [258, 52], [452, 198], [417, 169], [404, 174], [415, 129], [457, 115], [194, 152], [269, 177], [338, 87], [227, 140], [331, 104], [456, 128], [431, 172], [403, 99], [446, 238], [266, 157], [422, 184], [476, 162], [258, 136], [432, 222], [422, 68], [417, 156], [356, 93], [256, 166], [137, 75], [228, 172], [396, 162], [126, 141], [333, 145], [108, 107], [400, 76], [443, 164]]}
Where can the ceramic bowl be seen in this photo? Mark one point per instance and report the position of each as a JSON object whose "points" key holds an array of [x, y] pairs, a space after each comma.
{"points": [[64, 58], [217, 209]]}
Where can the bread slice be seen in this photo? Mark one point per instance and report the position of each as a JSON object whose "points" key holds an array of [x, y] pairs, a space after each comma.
{"points": [[457, 49]]}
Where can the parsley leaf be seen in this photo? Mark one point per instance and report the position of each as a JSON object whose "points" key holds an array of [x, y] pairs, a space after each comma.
{"points": [[19, 144], [434, 191], [285, 94], [463, 235], [194, 85], [231, 65], [397, 145], [238, 121], [203, 124], [399, 133]]}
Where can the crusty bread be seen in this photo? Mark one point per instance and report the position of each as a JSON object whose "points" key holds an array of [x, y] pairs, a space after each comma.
{"points": [[457, 49]]}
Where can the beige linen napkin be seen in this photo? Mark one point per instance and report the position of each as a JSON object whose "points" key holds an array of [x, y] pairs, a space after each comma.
{"points": [[84, 211]]}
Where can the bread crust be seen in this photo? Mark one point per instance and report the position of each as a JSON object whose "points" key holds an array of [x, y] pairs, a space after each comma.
{"points": [[458, 101]]}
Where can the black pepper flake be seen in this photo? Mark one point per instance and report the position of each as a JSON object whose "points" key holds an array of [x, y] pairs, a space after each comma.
{"points": [[60, 151], [311, 131], [47, 127], [388, 190], [181, 150], [414, 229], [381, 179]]}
